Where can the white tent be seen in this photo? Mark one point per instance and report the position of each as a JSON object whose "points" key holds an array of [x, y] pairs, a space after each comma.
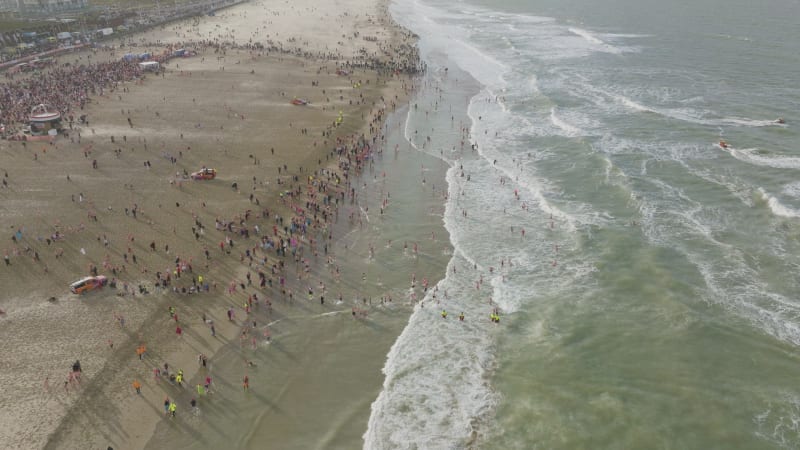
{"points": [[149, 65]]}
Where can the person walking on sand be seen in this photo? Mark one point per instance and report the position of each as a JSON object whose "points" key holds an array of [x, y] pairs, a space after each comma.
{"points": [[172, 408], [246, 383], [137, 386]]}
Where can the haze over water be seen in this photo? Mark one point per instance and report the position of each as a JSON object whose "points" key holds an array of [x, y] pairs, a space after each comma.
{"points": [[668, 314]]}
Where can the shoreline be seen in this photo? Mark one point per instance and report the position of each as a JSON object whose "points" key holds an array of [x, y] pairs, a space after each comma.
{"points": [[105, 392]]}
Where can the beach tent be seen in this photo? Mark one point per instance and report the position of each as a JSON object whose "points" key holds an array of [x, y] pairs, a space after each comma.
{"points": [[152, 66]]}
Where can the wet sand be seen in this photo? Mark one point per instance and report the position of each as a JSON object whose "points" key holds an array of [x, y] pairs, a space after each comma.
{"points": [[200, 114], [313, 385]]}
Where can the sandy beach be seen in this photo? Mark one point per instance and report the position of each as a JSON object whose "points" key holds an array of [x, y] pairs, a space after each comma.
{"points": [[115, 195]]}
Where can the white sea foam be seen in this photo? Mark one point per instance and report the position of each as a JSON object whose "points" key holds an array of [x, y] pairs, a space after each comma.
{"points": [[452, 40], [751, 156], [597, 43], [792, 189], [730, 36], [569, 129], [586, 89], [632, 104], [745, 122], [778, 208], [627, 35], [586, 35], [435, 389], [534, 84], [693, 116], [480, 114]]}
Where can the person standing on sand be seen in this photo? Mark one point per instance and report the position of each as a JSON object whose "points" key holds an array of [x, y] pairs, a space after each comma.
{"points": [[246, 383], [137, 386]]}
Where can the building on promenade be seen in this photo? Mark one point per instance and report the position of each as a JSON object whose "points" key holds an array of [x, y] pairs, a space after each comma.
{"points": [[28, 7]]}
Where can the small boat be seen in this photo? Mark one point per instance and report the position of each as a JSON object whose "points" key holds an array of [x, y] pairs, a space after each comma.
{"points": [[299, 101]]}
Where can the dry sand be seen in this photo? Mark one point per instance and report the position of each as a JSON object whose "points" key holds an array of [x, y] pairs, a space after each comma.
{"points": [[230, 119]]}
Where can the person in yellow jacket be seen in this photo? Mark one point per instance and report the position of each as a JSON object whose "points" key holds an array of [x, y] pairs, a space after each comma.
{"points": [[172, 408]]}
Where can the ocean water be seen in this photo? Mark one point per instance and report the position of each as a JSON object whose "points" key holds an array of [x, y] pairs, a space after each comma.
{"points": [[652, 299]]}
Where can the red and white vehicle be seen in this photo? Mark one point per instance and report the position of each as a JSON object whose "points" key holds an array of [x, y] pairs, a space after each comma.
{"points": [[87, 284], [204, 174]]}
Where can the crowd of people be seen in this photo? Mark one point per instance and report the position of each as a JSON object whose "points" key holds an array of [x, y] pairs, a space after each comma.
{"points": [[66, 88], [284, 247]]}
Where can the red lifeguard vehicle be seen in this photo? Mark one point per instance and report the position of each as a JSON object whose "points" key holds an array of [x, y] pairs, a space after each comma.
{"points": [[87, 284], [204, 174]]}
